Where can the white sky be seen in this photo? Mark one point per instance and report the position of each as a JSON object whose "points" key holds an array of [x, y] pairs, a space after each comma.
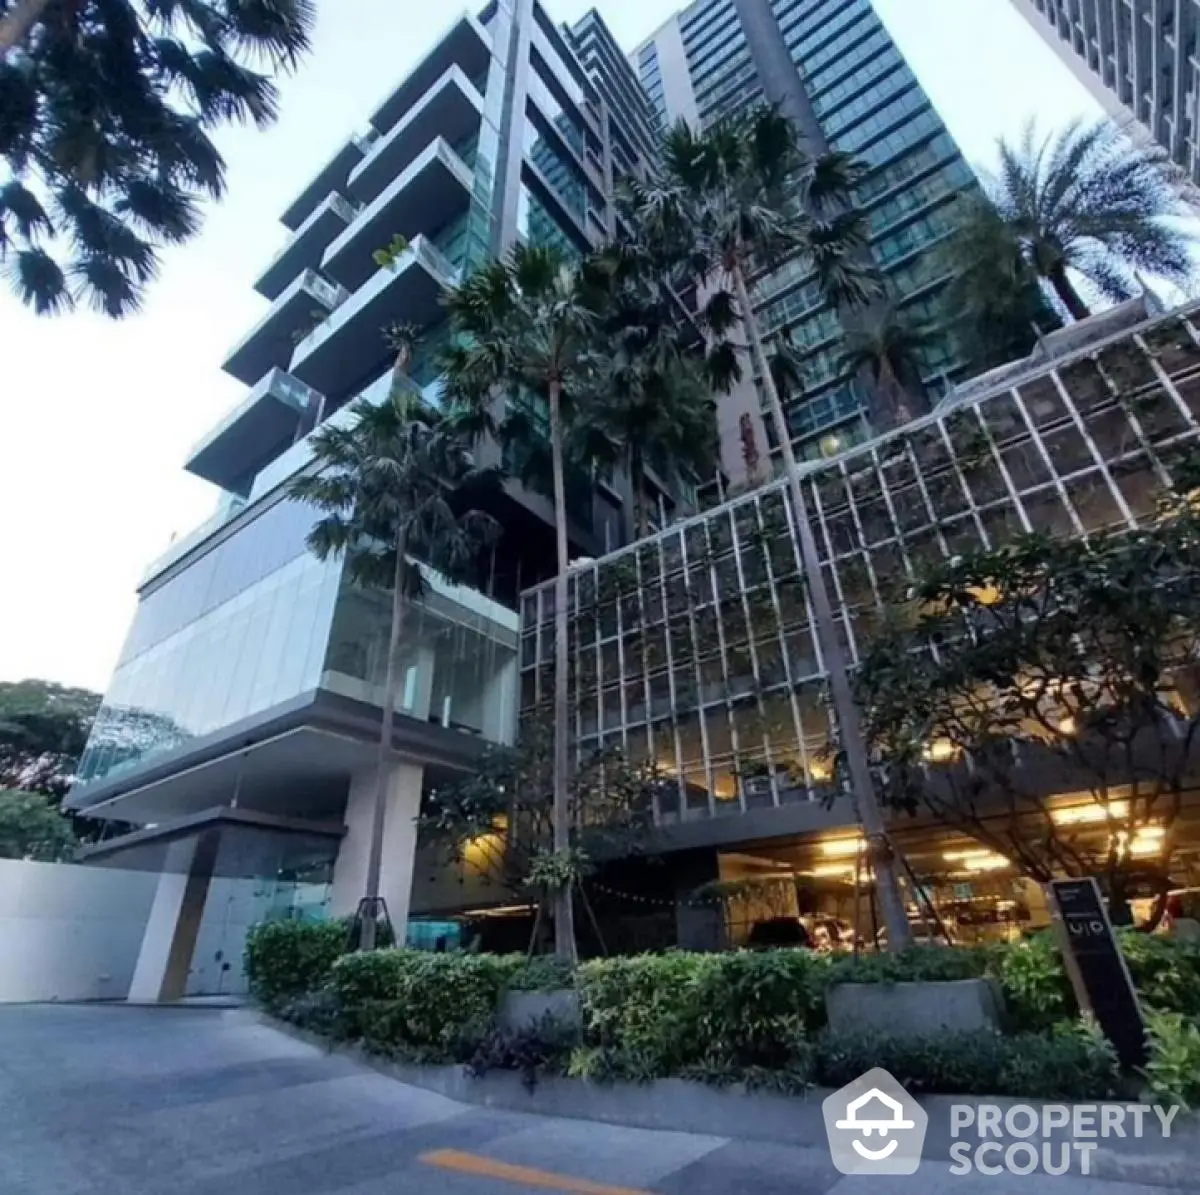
{"points": [[96, 417]]}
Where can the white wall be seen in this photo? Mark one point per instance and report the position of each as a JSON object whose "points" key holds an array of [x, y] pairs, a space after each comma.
{"points": [[69, 932]]}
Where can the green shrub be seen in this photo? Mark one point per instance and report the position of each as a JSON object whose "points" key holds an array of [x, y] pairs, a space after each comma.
{"points": [[1165, 972], [1065, 1066], [411, 1000], [1037, 992], [917, 964], [318, 1012], [546, 973], [1173, 1069], [543, 1048], [286, 959], [656, 1015]]}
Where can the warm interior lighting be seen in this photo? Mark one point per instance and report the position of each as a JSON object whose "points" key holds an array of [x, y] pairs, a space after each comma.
{"points": [[478, 852], [1096, 811], [839, 848], [1068, 726], [829, 871], [985, 595], [830, 446], [977, 859], [819, 770], [1147, 840], [939, 751]]}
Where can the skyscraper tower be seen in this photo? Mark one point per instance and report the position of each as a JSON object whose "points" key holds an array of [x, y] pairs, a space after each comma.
{"points": [[834, 69]]}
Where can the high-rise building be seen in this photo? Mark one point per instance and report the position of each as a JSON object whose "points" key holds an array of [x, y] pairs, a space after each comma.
{"points": [[834, 69], [1138, 60], [236, 737]]}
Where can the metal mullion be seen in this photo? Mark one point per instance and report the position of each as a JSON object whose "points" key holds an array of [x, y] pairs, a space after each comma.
{"points": [[847, 622], [704, 751], [972, 505], [864, 548], [919, 477], [1136, 424], [649, 721], [662, 583], [757, 671], [886, 493], [1097, 457], [734, 743], [1055, 477], [785, 656], [1005, 475], [1165, 378]]}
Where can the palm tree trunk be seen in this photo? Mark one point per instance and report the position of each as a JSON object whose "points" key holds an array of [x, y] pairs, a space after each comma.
{"points": [[1058, 279], [849, 726], [370, 912], [19, 23], [564, 909], [890, 384]]}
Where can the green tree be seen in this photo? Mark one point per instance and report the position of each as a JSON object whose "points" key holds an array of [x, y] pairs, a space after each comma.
{"points": [[994, 301], [32, 828], [391, 490], [525, 329], [887, 346], [106, 113], [1087, 200], [1051, 665], [44, 728], [745, 195]]}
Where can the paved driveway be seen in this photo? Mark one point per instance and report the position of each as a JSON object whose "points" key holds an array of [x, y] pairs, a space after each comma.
{"points": [[142, 1101]]}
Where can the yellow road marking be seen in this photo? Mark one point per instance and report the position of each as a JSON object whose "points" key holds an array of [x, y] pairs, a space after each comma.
{"points": [[453, 1159]]}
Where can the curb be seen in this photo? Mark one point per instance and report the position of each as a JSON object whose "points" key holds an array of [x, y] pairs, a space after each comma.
{"points": [[680, 1105]]}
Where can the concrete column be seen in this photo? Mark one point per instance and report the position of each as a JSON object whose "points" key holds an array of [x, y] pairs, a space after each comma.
{"points": [[165, 957], [399, 842], [500, 700]]}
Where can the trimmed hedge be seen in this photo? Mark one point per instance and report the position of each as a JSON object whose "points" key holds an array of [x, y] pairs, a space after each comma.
{"points": [[289, 959], [402, 1001]]}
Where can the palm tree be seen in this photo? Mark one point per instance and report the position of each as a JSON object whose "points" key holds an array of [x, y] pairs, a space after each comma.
{"points": [[745, 195], [887, 345], [1088, 200], [389, 487], [994, 302], [525, 328], [106, 112]]}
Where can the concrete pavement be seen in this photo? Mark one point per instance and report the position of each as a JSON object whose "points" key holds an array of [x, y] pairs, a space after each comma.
{"points": [[101, 1100]]}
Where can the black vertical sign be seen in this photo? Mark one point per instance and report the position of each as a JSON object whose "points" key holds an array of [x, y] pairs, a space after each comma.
{"points": [[1099, 975]]}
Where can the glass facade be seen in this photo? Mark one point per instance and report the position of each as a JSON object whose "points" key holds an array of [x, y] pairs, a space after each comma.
{"points": [[696, 647]]}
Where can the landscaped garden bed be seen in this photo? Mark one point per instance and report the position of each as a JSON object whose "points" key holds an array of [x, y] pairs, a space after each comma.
{"points": [[755, 1020]]}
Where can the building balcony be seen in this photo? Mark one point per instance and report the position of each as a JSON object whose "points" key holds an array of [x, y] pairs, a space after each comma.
{"points": [[407, 292], [466, 44], [331, 177], [435, 188], [451, 109], [307, 244], [260, 428], [270, 342]]}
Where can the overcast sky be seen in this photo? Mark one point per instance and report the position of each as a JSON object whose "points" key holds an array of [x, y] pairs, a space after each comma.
{"points": [[96, 417]]}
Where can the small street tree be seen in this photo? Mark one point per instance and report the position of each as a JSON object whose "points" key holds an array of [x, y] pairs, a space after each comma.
{"points": [[106, 113], [1046, 667], [393, 492], [747, 196], [502, 816]]}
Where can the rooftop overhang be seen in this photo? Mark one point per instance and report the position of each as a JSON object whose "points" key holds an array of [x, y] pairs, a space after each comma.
{"points": [[331, 177], [269, 344], [452, 109], [145, 849], [466, 44], [430, 192], [408, 292], [307, 245], [254, 433], [293, 760]]}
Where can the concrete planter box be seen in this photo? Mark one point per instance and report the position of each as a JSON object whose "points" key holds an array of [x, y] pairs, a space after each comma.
{"points": [[520, 1010], [916, 1009]]}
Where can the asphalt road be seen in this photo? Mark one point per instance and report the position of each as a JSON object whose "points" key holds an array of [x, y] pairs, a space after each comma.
{"points": [[141, 1101]]}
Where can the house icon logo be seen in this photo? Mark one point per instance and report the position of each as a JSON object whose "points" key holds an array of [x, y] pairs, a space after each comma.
{"points": [[874, 1126]]}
